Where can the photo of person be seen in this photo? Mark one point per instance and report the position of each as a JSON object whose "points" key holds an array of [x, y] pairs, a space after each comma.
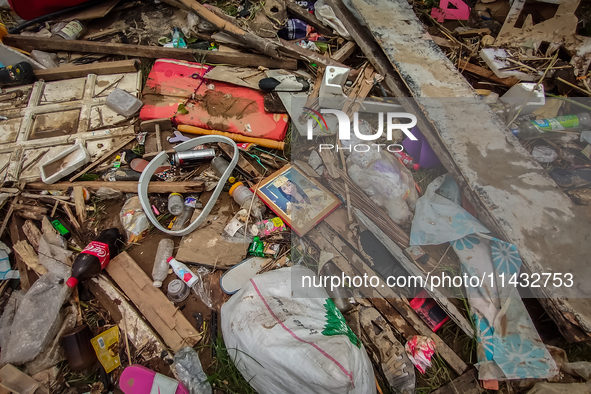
{"points": [[298, 200]]}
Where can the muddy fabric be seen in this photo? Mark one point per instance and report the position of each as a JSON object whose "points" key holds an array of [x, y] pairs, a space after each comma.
{"points": [[509, 346]]}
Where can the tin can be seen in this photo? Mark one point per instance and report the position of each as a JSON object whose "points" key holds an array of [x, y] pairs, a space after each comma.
{"points": [[72, 30], [192, 157]]}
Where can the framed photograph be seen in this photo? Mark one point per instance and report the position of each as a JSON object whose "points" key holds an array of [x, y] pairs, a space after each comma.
{"points": [[301, 202]]}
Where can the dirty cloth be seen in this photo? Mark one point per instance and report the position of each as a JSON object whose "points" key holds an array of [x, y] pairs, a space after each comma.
{"points": [[509, 346]]}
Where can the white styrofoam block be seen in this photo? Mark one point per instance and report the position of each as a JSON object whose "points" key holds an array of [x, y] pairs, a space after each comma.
{"points": [[64, 163], [524, 95], [495, 60]]}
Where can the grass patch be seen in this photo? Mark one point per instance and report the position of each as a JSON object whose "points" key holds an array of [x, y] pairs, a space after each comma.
{"points": [[226, 376]]}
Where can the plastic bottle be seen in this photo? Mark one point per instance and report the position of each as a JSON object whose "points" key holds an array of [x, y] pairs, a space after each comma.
{"points": [[176, 204], [535, 128], [243, 197], [219, 166], [177, 39], [408, 161], [95, 256], [182, 271], [190, 371], [160, 269], [188, 209]]}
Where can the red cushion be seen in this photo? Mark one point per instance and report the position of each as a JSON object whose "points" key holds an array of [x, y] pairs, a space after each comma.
{"points": [[31, 9]]}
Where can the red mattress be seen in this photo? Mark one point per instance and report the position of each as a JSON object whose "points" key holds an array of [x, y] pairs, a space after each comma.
{"points": [[210, 104], [31, 9]]}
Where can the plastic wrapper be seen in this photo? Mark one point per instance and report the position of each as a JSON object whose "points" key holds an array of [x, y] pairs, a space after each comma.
{"points": [[267, 227], [383, 178], [420, 349], [544, 154], [190, 373], [106, 193], [191, 26], [328, 18], [48, 60], [202, 288], [37, 319], [133, 219]]}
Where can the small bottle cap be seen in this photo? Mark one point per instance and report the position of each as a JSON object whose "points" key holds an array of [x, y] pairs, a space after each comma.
{"points": [[416, 167], [231, 179], [168, 259], [72, 282], [234, 187], [157, 283]]}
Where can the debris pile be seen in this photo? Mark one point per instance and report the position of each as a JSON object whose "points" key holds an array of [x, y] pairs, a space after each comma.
{"points": [[219, 197]]}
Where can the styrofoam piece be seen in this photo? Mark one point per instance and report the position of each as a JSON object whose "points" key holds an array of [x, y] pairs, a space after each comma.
{"points": [[524, 95], [331, 93], [123, 103], [64, 163], [495, 60]]}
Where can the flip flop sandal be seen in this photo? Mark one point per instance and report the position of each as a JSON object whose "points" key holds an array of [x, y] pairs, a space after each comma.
{"points": [[388, 352], [139, 165], [284, 83], [137, 379]]}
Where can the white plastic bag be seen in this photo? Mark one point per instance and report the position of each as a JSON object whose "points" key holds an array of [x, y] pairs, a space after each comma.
{"points": [[283, 344]]}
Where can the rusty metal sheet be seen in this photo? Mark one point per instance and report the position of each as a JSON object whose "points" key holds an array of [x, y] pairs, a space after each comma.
{"points": [[551, 233]]}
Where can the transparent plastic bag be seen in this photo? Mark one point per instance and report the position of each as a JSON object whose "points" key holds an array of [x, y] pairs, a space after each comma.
{"points": [[189, 371], [133, 218], [202, 288], [106, 193]]}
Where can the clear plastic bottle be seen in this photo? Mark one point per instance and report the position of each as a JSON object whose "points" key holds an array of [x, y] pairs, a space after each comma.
{"points": [[243, 197], [182, 271], [160, 269], [188, 209], [219, 165], [535, 128], [176, 204]]}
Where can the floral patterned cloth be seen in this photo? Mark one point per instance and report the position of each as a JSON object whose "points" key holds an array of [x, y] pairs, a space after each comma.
{"points": [[509, 346]]}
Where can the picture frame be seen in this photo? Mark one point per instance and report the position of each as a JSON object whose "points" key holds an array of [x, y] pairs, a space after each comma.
{"points": [[301, 202]]}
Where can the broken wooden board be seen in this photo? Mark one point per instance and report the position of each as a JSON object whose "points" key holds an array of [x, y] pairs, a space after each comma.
{"points": [[124, 186], [339, 217], [167, 320], [207, 246], [139, 333], [151, 52], [70, 71], [514, 195], [57, 114], [348, 261], [560, 30]]}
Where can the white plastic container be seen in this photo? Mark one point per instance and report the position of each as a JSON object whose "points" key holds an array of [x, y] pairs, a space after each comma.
{"points": [[64, 164], [524, 95], [123, 103], [183, 272]]}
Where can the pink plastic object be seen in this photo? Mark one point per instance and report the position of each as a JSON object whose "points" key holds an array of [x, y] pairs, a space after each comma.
{"points": [[441, 13], [137, 379], [420, 349]]}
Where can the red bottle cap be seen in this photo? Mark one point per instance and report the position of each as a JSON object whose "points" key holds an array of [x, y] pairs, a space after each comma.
{"points": [[416, 167], [168, 259], [72, 282]]}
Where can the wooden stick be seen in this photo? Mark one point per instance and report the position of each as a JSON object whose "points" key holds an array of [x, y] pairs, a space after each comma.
{"points": [[265, 143], [345, 51], [70, 215], [8, 215], [79, 203], [103, 158], [72, 71], [151, 52], [124, 186], [573, 86]]}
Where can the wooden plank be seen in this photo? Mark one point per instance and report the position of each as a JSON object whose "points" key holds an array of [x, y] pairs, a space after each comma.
{"points": [[104, 157], [242, 162], [351, 264], [20, 263], [345, 51], [472, 148], [302, 13], [27, 254], [73, 71], [151, 52], [32, 233], [80, 204], [124, 186], [465, 384], [167, 320], [488, 74]]}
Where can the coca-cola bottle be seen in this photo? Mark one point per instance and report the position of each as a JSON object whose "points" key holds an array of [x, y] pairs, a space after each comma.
{"points": [[95, 256]]}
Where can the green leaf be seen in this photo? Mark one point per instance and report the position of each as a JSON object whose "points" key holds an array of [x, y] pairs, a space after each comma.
{"points": [[182, 110]]}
